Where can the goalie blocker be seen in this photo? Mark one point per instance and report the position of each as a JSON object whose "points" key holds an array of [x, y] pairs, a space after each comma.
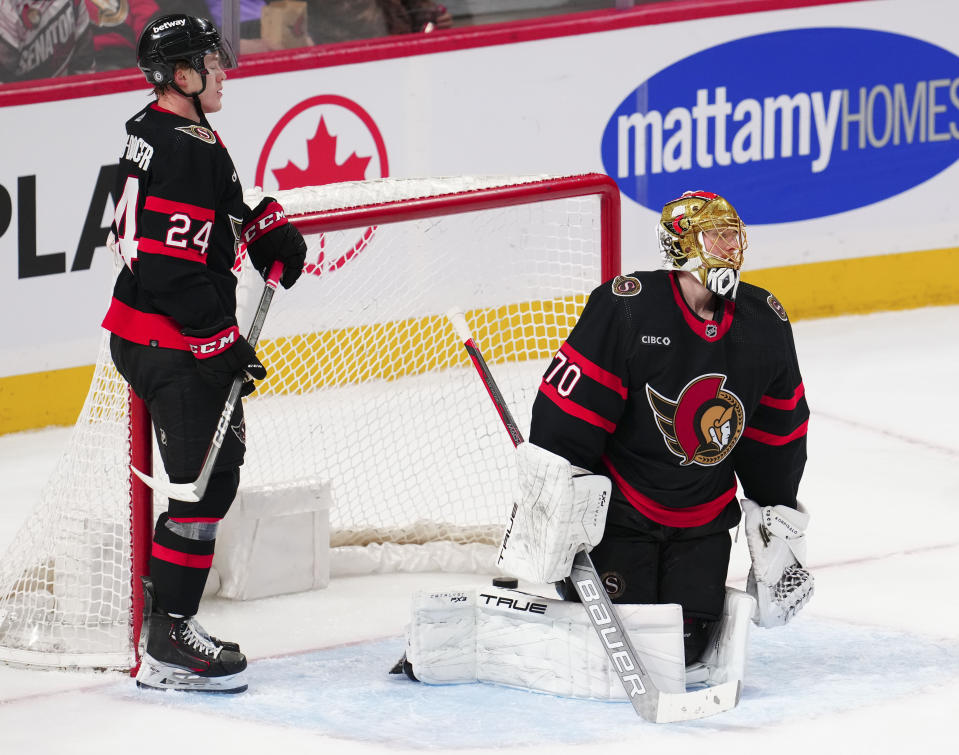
{"points": [[561, 509], [517, 639]]}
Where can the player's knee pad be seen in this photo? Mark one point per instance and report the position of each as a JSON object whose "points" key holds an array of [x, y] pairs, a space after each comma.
{"points": [[528, 641], [724, 659]]}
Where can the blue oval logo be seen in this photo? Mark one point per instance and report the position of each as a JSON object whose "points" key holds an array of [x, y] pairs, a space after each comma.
{"points": [[790, 125]]}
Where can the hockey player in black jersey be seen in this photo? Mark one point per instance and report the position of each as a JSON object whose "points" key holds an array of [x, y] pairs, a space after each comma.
{"points": [[674, 383], [179, 219], [680, 386]]}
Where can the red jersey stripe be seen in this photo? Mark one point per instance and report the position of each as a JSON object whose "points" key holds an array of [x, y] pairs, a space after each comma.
{"points": [[594, 371], [179, 558], [152, 246], [187, 519], [761, 436], [171, 207], [784, 403], [143, 328], [691, 516], [575, 410]]}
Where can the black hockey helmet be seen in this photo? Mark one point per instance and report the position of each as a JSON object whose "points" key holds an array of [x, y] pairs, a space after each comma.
{"points": [[178, 37]]}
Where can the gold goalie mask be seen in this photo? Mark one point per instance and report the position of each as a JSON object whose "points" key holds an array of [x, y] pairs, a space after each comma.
{"points": [[701, 232]]}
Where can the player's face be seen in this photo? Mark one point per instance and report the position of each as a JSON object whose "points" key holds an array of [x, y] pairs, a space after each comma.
{"points": [[724, 244], [212, 97]]}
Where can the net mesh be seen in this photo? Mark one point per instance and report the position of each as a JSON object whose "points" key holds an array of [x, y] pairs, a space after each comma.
{"points": [[369, 389], [65, 580]]}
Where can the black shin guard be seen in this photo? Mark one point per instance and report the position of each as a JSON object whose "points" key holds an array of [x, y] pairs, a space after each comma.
{"points": [[183, 544]]}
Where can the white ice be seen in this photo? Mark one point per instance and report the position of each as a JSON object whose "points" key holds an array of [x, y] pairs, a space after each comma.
{"points": [[871, 665]]}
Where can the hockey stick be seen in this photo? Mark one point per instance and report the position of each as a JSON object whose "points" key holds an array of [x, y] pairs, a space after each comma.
{"points": [[647, 700], [193, 491]]}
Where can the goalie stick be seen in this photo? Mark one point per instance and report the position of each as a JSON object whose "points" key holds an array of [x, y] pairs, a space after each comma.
{"points": [[193, 491], [647, 700]]}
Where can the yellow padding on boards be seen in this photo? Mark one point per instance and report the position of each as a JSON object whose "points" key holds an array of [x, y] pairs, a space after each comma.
{"points": [[820, 289], [864, 284], [348, 356], [403, 348], [43, 398]]}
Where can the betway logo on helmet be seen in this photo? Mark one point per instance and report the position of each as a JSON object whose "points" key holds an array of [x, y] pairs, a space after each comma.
{"points": [[842, 117], [169, 24]]}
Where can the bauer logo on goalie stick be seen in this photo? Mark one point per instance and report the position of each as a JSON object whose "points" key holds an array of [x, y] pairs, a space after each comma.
{"points": [[609, 632]]}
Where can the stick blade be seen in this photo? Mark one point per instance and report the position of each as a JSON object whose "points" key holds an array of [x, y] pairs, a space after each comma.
{"points": [[689, 706], [458, 318], [180, 491]]}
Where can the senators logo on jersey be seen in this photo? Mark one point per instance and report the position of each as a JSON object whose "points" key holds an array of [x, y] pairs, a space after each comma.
{"points": [[701, 426]]}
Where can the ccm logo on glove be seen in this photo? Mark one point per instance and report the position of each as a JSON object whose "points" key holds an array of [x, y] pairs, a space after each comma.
{"points": [[204, 348], [272, 216]]}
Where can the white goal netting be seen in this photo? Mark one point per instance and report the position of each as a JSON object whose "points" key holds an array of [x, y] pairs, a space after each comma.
{"points": [[369, 389]]}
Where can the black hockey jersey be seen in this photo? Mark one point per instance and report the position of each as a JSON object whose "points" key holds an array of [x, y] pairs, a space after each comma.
{"points": [[178, 218], [673, 407]]}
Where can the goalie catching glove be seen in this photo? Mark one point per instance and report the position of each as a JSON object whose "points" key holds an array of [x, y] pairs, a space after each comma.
{"points": [[269, 237], [560, 509], [778, 578], [222, 354]]}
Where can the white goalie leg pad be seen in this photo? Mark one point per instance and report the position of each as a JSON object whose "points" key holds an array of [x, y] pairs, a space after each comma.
{"points": [[725, 657], [557, 512], [778, 578], [520, 640]]}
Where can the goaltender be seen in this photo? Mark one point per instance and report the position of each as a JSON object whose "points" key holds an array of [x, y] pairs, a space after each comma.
{"points": [[672, 384]]}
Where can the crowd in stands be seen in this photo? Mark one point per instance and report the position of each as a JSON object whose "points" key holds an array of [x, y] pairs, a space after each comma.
{"points": [[47, 38]]}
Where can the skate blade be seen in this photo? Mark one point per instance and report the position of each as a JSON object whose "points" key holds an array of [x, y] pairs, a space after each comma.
{"points": [[162, 677]]}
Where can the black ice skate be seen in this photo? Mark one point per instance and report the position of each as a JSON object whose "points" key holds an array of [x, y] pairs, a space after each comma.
{"points": [[149, 601], [178, 657], [177, 653]]}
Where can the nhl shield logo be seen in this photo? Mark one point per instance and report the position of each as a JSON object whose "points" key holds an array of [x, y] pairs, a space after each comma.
{"points": [[701, 426]]}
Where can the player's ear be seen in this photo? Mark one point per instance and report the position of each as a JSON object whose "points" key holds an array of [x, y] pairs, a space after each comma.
{"points": [[181, 76]]}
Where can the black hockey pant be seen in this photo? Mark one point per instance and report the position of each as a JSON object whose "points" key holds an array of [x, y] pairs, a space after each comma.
{"points": [[185, 410], [641, 561]]}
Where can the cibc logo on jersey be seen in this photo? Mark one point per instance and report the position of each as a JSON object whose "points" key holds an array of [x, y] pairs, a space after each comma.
{"points": [[704, 424]]}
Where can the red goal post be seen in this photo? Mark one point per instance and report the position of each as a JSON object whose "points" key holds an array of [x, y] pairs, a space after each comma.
{"points": [[369, 391]]}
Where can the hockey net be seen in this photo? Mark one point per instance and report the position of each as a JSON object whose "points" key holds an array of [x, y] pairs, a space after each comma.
{"points": [[369, 390]]}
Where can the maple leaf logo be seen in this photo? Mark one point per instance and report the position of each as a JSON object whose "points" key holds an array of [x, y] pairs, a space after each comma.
{"points": [[322, 167]]}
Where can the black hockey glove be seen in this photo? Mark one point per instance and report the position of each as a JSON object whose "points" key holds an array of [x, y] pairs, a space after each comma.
{"points": [[269, 237], [222, 354]]}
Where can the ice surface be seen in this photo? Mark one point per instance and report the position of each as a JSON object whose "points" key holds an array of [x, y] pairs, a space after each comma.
{"points": [[871, 665]]}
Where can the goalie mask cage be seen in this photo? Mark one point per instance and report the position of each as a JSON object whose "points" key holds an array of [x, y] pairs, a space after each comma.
{"points": [[369, 390]]}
